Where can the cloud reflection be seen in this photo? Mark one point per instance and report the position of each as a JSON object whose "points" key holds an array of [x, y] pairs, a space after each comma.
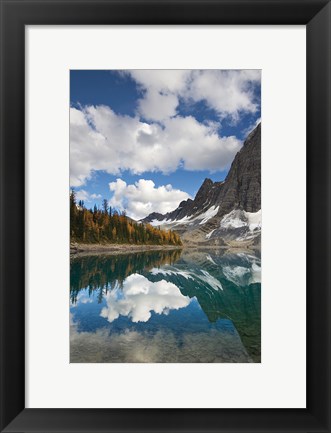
{"points": [[139, 297], [135, 346]]}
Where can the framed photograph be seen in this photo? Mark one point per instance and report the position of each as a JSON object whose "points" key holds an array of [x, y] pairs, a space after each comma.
{"points": [[165, 263], [169, 164]]}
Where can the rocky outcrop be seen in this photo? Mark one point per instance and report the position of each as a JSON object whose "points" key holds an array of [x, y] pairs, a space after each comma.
{"points": [[242, 186]]}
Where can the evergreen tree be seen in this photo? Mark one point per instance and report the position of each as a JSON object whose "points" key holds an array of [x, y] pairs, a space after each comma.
{"points": [[108, 226], [105, 206]]}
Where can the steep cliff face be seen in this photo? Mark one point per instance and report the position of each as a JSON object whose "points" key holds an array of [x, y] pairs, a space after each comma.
{"points": [[242, 186], [211, 214]]}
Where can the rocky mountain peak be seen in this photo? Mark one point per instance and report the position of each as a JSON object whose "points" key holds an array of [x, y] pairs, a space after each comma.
{"points": [[241, 190], [207, 182], [204, 189], [256, 133]]}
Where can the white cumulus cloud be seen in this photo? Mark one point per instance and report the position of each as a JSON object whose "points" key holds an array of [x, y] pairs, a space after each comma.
{"points": [[157, 106], [143, 198], [86, 196], [103, 140], [228, 92]]}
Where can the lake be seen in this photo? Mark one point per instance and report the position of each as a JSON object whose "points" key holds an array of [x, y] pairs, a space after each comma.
{"points": [[183, 306]]}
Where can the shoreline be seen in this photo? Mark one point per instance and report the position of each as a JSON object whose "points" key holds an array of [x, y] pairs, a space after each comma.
{"points": [[116, 249], [76, 248]]}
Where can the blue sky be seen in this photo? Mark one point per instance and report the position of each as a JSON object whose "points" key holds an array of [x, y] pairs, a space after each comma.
{"points": [[146, 140]]}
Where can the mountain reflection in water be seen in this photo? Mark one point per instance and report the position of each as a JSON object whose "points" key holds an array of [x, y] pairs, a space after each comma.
{"points": [[166, 306]]}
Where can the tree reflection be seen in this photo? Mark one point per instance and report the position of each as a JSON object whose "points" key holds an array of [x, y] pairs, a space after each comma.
{"points": [[99, 274]]}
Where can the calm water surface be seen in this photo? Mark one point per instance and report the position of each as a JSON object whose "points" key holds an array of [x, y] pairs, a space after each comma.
{"points": [[166, 306]]}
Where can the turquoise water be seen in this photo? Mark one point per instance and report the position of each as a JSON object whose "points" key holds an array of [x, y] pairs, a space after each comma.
{"points": [[166, 306]]}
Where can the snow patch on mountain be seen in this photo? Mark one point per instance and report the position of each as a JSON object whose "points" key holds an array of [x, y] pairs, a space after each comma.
{"points": [[239, 218], [209, 234], [237, 225], [210, 213], [191, 219]]}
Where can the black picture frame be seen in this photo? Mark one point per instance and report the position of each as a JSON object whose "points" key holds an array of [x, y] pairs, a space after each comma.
{"points": [[15, 14]]}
